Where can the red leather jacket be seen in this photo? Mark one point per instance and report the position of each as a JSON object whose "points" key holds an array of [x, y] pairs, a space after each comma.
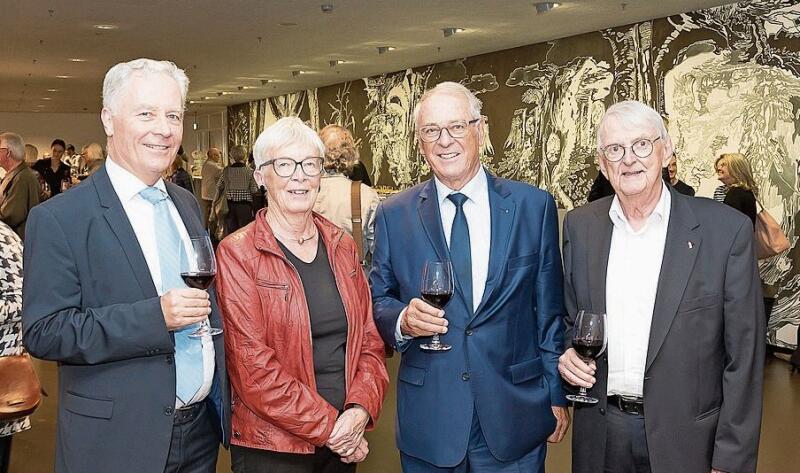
{"points": [[275, 404]]}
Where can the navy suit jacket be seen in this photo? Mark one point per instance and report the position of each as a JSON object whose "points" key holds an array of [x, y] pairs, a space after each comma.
{"points": [[90, 304], [505, 355]]}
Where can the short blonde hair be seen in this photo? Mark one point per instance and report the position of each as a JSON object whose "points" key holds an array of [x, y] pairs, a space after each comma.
{"points": [[739, 169]]}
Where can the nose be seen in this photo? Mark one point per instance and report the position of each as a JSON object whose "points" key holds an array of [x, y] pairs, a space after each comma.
{"points": [[298, 174], [628, 158], [445, 139], [162, 126]]}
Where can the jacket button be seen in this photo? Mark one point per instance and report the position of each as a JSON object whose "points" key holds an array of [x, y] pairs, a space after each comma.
{"points": [[237, 434], [168, 411], [169, 359], [465, 376], [602, 411], [469, 333]]}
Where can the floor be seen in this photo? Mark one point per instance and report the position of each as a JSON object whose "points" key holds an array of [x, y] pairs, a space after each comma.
{"points": [[32, 450]]}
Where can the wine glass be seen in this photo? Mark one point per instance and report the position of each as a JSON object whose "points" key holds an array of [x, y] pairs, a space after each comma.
{"points": [[589, 340], [437, 289], [198, 272]]}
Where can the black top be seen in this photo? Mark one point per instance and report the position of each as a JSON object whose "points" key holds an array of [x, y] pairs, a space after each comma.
{"points": [[684, 188], [182, 178], [600, 188], [742, 200], [359, 173], [328, 323], [53, 179]]}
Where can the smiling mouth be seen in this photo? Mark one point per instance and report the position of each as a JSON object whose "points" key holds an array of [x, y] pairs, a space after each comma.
{"points": [[447, 156], [632, 173], [157, 147], [298, 192]]}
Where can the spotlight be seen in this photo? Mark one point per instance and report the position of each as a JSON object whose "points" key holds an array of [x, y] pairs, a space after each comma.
{"points": [[544, 7], [383, 49], [450, 31]]}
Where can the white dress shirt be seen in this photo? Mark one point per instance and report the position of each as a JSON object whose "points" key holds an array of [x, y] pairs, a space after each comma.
{"points": [[479, 221], [141, 214], [634, 264]]}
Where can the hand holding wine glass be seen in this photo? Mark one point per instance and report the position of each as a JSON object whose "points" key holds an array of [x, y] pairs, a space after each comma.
{"points": [[198, 273], [588, 341], [437, 289]]}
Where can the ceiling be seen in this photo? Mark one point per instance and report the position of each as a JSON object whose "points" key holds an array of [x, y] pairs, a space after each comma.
{"points": [[227, 44]]}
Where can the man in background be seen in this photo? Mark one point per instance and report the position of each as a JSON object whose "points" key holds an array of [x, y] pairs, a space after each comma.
{"points": [[679, 185], [19, 188], [210, 173]]}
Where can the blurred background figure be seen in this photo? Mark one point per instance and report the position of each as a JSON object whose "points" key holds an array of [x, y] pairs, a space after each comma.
{"points": [[19, 188], [176, 174], [337, 196], [54, 171], [93, 157], [237, 185], [212, 168], [10, 325], [680, 186], [31, 157]]}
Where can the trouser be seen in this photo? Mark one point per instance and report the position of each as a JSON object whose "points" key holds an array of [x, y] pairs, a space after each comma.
{"points": [[253, 460], [240, 213], [205, 207], [5, 453], [626, 443], [195, 441], [479, 459]]}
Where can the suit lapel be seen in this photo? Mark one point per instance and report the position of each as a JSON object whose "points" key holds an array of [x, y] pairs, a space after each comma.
{"points": [[502, 210], [680, 251], [121, 227], [599, 247], [432, 221]]}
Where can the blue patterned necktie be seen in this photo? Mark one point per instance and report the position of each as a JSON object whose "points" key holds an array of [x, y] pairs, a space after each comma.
{"points": [[460, 249], [188, 351]]}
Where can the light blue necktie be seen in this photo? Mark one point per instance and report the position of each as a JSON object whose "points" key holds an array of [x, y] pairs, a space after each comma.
{"points": [[188, 351]]}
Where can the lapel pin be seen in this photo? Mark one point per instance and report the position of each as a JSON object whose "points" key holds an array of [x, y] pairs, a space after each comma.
{"points": [[691, 245]]}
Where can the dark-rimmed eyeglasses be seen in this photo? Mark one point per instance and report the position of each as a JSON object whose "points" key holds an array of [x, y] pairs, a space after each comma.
{"points": [[286, 167], [641, 148], [458, 129]]}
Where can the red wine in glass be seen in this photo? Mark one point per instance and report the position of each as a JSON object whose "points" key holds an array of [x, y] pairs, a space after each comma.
{"points": [[198, 279], [437, 289], [200, 268], [589, 340]]}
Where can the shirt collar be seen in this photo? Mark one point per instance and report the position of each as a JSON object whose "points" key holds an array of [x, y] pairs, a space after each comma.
{"points": [[475, 187], [126, 185], [660, 212]]}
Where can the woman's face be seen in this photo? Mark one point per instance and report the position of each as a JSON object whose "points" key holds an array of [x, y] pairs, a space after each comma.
{"points": [[297, 193], [722, 172]]}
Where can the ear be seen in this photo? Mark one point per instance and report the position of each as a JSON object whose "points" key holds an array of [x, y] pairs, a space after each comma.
{"points": [[482, 132], [601, 163], [259, 178], [668, 151], [108, 123]]}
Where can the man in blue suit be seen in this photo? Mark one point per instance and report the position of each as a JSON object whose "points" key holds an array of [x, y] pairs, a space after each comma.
{"points": [[103, 296], [490, 403]]}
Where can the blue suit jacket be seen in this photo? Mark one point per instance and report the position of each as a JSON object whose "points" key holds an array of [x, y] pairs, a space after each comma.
{"points": [[505, 355], [89, 303]]}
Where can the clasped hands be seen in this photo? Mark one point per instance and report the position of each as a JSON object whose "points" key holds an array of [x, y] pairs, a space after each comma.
{"points": [[347, 438]]}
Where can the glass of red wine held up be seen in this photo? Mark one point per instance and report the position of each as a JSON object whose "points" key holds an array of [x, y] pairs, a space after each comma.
{"points": [[437, 289], [589, 340], [198, 272]]}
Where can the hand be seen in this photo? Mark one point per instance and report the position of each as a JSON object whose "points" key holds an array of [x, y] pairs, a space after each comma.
{"points": [[562, 424], [575, 371], [348, 431], [714, 470], [422, 320], [359, 455], [185, 306]]}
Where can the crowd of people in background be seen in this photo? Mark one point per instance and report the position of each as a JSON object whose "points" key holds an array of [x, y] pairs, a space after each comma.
{"points": [[316, 277]]}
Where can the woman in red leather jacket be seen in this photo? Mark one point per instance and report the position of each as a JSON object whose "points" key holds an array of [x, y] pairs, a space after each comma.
{"points": [[304, 357]]}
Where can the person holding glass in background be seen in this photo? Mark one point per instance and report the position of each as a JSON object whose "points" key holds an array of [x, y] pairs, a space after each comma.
{"points": [[491, 401], [304, 356], [103, 296], [680, 383]]}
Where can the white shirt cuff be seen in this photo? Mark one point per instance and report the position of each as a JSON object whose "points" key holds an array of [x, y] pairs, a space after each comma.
{"points": [[398, 334]]}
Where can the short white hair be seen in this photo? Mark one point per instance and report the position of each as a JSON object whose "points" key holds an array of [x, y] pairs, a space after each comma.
{"points": [[450, 88], [118, 76], [285, 132], [632, 113], [15, 145]]}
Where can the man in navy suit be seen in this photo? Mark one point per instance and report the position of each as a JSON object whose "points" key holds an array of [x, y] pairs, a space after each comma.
{"points": [[102, 296], [490, 403]]}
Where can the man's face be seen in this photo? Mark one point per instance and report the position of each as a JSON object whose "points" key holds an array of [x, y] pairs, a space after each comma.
{"points": [[214, 154], [672, 168], [145, 129], [57, 151], [5, 156], [633, 176], [453, 160]]}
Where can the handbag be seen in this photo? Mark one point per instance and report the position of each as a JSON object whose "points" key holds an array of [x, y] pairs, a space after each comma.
{"points": [[770, 239], [20, 391]]}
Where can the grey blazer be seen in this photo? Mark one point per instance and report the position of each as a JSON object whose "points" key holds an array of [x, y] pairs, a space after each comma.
{"points": [[703, 375], [90, 304]]}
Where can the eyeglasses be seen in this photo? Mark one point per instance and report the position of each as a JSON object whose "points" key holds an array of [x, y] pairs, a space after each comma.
{"points": [[431, 133], [641, 148], [286, 167]]}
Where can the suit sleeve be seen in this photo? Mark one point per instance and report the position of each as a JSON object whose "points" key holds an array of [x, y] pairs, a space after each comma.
{"points": [[54, 325], [21, 197], [386, 304], [570, 298], [255, 372], [739, 425], [550, 302]]}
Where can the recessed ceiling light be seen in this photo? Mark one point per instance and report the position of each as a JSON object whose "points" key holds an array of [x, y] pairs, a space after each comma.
{"points": [[287, 23], [450, 31], [106, 27], [77, 59], [207, 98], [47, 98], [336, 62], [40, 105], [383, 49], [52, 90], [544, 7], [326, 8], [63, 77], [297, 73], [247, 87], [265, 81]]}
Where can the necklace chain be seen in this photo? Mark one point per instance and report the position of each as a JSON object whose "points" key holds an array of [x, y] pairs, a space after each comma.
{"points": [[300, 240]]}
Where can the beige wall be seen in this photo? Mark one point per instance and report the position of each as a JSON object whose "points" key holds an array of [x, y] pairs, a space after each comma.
{"points": [[40, 129]]}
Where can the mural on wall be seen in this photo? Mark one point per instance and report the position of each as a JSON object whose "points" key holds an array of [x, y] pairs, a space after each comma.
{"points": [[727, 79]]}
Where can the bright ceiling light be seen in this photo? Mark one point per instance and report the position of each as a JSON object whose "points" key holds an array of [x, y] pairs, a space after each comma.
{"points": [[297, 73], [544, 7], [63, 77], [52, 90], [450, 31], [106, 27], [77, 59], [265, 81], [383, 49], [47, 98]]}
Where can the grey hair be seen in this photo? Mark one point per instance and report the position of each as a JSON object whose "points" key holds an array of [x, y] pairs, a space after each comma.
{"points": [[238, 153], [15, 145], [285, 132], [450, 88], [119, 75], [635, 113]]}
